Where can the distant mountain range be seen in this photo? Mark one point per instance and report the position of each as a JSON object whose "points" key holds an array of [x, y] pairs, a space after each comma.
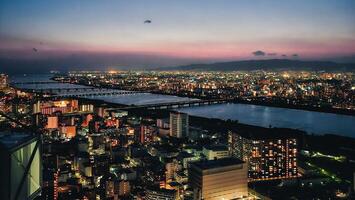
{"points": [[272, 64]]}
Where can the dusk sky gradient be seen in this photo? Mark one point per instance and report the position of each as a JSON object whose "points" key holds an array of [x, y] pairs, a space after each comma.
{"points": [[181, 31]]}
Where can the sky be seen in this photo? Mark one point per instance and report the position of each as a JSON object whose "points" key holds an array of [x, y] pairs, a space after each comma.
{"points": [[113, 33]]}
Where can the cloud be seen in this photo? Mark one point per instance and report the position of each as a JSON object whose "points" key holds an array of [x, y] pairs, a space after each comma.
{"points": [[272, 54], [258, 53], [284, 55]]}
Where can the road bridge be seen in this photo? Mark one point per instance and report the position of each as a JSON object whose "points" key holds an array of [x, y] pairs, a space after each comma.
{"points": [[96, 93], [175, 105]]}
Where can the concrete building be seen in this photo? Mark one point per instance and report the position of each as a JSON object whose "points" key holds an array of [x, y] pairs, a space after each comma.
{"points": [[124, 188], [52, 122], [215, 152], [270, 153], [21, 169], [3, 80], [160, 194], [147, 134], [68, 131], [219, 179], [179, 124], [170, 169]]}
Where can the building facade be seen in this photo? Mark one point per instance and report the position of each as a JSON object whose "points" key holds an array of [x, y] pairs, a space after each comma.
{"points": [[215, 152], [21, 172], [179, 124], [267, 157], [225, 178], [160, 194]]}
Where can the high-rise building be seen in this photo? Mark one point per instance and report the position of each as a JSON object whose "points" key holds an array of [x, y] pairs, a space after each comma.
{"points": [[3, 80], [50, 185], [21, 171], [270, 153], [37, 107], [146, 134], [179, 124], [124, 188], [170, 169], [225, 178]]}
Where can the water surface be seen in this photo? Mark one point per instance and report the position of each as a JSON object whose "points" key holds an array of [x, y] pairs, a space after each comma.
{"points": [[312, 122]]}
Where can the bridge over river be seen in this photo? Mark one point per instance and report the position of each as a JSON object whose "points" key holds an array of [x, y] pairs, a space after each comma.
{"points": [[174, 105]]}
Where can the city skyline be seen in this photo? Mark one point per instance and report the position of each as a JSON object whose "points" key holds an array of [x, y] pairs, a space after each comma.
{"points": [[114, 33], [177, 100]]}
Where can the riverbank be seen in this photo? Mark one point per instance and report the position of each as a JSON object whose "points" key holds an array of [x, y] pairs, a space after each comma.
{"points": [[297, 107], [252, 101], [327, 143]]}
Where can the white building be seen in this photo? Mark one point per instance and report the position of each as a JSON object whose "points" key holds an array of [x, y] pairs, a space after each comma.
{"points": [[179, 124], [215, 152]]}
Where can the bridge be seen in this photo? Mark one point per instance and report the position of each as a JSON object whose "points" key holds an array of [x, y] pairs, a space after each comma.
{"points": [[58, 90], [97, 93], [174, 105]]}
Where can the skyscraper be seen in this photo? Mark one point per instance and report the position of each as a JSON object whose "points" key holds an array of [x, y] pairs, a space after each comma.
{"points": [[225, 178], [3, 80], [21, 171], [270, 153], [179, 124]]}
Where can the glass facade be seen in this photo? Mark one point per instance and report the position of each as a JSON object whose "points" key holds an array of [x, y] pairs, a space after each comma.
{"points": [[21, 169], [19, 161]]}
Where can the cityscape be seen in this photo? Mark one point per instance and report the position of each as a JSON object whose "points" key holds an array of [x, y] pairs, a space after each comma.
{"points": [[187, 110]]}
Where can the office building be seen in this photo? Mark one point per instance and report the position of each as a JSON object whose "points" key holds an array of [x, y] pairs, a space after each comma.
{"points": [[52, 122], [160, 194], [124, 188], [21, 171], [225, 178], [179, 124], [146, 134], [270, 153], [3, 80], [171, 168], [215, 152], [68, 131]]}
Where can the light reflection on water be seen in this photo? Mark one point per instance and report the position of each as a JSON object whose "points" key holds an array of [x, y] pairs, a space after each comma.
{"points": [[128, 99], [141, 99], [312, 122]]}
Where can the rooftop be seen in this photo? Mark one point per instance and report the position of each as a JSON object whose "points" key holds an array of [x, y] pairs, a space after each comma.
{"points": [[10, 140], [211, 164], [216, 148]]}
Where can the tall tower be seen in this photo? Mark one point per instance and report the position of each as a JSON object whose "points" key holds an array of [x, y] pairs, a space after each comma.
{"points": [[21, 172], [179, 124]]}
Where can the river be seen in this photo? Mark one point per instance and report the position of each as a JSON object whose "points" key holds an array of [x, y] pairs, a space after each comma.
{"points": [[310, 121]]}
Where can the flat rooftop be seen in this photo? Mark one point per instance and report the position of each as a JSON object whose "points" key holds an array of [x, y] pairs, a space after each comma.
{"points": [[211, 164], [216, 148], [11, 140]]}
